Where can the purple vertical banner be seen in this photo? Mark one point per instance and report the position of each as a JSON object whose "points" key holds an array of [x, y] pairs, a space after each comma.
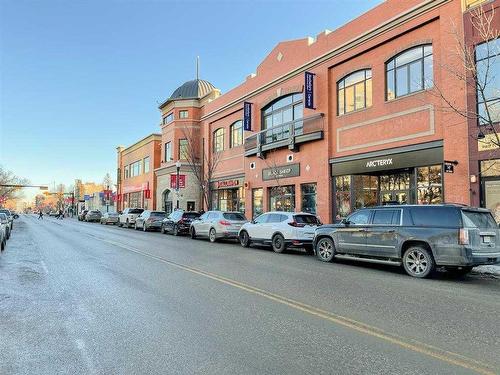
{"points": [[309, 90], [247, 116]]}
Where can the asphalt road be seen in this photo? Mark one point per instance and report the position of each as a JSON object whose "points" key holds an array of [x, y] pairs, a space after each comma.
{"points": [[81, 298]]}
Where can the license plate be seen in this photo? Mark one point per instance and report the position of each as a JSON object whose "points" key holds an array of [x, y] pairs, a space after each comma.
{"points": [[486, 239]]}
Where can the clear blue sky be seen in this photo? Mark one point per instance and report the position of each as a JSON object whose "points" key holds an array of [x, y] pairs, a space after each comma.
{"points": [[79, 78]]}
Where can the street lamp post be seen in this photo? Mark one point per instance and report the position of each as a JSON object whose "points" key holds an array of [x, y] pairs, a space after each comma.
{"points": [[178, 167], [107, 198]]}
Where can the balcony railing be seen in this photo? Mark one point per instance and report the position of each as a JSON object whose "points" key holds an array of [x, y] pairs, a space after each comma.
{"points": [[289, 134]]}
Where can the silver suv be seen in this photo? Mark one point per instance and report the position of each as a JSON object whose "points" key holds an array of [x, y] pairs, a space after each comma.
{"points": [[217, 224], [420, 238]]}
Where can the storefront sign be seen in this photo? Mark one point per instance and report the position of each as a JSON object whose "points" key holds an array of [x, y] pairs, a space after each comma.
{"points": [[309, 90], [247, 116], [131, 188], [449, 168], [173, 181], [227, 184], [431, 156], [285, 171]]}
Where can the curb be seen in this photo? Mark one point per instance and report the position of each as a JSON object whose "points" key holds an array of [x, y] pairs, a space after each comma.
{"points": [[493, 270]]}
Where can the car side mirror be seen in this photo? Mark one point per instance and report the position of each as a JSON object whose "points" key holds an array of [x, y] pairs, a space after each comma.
{"points": [[345, 222]]}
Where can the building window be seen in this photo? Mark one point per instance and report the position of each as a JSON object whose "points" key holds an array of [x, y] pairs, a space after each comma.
{"points": [[236, 131], [354, 91], [146, 164], [282, 198], [342, 196], [488, 81], [168, 152], [409, 72], [257, 202], [429, 185], [135, 168], [183, 114], [125, 171], [472, 3], [219, 140], [308, 194], [281, 115], [168, 118], [183, 149]]}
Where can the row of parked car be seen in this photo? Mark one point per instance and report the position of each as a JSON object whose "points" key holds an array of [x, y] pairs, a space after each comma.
{"points": [[6, 225], [418, 238]]}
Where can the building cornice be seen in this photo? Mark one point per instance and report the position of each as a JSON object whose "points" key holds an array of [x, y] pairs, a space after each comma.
{"points": [[144, 141], [384, 27]]}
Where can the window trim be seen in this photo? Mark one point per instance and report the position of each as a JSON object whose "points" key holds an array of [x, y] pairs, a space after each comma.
{"points": [[166, 119], [169, 143], [179, 147], [407, 65], [365, 70], [216, 136], [231, 131]]}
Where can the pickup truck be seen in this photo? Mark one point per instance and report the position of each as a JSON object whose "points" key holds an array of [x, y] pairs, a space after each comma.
{"points": [[128, 216]]}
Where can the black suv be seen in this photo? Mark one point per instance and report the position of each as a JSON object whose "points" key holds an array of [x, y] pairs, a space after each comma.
{"points": [[179, 222], [418, 237]]}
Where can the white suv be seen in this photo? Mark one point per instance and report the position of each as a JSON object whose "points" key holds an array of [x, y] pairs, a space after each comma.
{"points": [[280, 230]]}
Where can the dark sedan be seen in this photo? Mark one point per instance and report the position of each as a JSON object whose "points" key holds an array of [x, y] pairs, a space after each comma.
{"points": [[179, 222]]}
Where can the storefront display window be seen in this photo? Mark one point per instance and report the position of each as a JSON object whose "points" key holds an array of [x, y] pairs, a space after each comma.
{"points": [[308, 194], [134, 200], [365, 191], [282, 198], [342, 196], [257, 202], [229, 199], [429, 185]]}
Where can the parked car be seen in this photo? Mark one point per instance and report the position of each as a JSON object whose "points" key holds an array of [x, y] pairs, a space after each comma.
{"points": [[9, 215], [93, 215], [420, 238], [150, 220], [128, 216], [280, 230], [4, 227], [217, 224], [82, 214], [109, 218], [178, 222]]}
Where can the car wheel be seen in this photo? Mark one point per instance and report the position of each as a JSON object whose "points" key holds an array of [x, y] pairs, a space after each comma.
{"points": [[325, 249], [175, 231], [212, 235], [192, 232], [162, 230], [418, 262], [278, 243], [144, 229], [244, 238], [3, 245]]}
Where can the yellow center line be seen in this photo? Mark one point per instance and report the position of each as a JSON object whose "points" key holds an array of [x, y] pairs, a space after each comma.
{"points": [[409, 344]]}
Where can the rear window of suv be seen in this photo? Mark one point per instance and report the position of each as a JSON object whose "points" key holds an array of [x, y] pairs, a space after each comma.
{"points": [[476, 219], [439, 217], [135, 211], [191, 215], [306, 219], [158, 214], [234, 216]]}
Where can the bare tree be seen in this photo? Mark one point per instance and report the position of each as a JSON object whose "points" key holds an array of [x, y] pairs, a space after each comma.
{"points": [[480, 75], [201, 161], [107, 181], [9, 178]]}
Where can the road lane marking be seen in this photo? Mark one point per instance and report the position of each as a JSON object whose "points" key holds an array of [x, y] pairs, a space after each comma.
{"points": [[406, 343]]}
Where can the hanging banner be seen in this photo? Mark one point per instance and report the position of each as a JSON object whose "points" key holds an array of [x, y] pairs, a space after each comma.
{"points": [[309, 90], [173, 181], [247, 116]]}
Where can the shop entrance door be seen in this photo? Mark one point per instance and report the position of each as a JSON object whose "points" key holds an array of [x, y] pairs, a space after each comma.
{"points": [[395, 188]]}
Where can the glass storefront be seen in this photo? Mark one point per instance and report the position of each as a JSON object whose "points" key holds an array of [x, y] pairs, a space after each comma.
{"points": [[257, 202], [229, 199], [421, 185], [308, 194], [490, 186], [135, 199], [282, 198]]}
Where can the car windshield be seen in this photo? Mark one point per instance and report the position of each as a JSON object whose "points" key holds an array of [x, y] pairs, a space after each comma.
{"points": [[6, 212], [306, 219], [476, 219], [136, 211], [191, 215], [113, 214], [236, 216]]}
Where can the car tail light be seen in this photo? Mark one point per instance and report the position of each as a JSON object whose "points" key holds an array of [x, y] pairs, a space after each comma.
{"points": [[224, 222], [296, 225], [463, 236]]}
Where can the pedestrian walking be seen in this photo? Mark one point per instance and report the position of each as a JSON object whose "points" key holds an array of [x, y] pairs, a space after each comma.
{"points": [[40, 215], [61, 215]]}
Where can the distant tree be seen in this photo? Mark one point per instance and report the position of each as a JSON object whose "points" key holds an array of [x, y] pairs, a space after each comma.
{"points": [[9, 178], [107, 181]]}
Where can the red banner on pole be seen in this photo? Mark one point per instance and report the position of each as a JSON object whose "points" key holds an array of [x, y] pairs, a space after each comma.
{"points": [[173, 181]]}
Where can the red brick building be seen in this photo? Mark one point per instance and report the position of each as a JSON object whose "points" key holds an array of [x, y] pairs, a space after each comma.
{"points": [[136, 180]]}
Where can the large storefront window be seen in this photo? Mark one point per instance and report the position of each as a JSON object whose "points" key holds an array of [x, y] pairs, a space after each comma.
{"points": [[229, 199], [429, 185], [308, 194], [365, 191], [134, 200], [282, 198], [342, 196], [257, 202]]}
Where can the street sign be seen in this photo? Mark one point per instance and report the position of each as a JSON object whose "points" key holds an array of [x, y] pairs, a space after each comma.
{"points": [[448, 168]]}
